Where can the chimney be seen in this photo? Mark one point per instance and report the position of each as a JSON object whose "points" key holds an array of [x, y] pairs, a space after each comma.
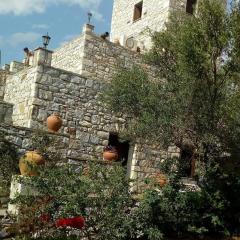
{"points": [[42, 56], [88, 28]]}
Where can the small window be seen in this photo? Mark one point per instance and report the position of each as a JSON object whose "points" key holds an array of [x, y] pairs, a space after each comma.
{"points": [[122, 147], [191, 6], [138, 11], [187, 163]]}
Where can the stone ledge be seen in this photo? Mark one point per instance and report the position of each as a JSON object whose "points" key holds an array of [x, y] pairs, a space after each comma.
{"points": [[7, 127]]}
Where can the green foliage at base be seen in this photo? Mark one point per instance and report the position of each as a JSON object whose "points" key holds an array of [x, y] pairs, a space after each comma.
{"points": [[213, 210], [8, 161]]}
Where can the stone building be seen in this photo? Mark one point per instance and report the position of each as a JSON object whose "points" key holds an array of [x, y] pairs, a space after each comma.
{"points": [[69, 81], [131, 19]]}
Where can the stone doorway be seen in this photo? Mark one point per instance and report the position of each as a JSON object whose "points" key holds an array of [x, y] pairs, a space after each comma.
{"points": [[122, 147]]}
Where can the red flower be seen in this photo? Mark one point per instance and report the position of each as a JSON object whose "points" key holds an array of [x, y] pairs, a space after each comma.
{"points": [[76, 222], [63, 222]]}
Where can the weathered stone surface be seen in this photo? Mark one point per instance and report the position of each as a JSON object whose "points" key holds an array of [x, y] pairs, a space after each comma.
{"points": [[83, 136], [6, 110], [103, 135]]}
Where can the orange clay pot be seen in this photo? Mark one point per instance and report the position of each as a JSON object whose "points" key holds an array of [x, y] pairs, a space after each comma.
{"points": [[29, 162], [161, 179], [110, 155], [54, 123]]}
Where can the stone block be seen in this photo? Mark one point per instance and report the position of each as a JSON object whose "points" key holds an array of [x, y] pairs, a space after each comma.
{"points": [[6, 110], [89, 83], [103, 135], [19, 187], [42, 115], [94, 139], [46, 95], [83, 136], [85, 124]]}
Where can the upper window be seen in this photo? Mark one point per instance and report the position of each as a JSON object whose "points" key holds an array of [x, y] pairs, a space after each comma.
{"points": [[138, 11], [191, 6]]}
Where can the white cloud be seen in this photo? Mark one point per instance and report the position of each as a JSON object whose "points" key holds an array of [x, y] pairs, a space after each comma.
{"points": [[21, 7], [24, 7], [23, 38], [40, 26]]}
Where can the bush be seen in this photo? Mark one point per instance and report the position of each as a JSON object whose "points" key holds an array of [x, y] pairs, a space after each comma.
{"points": [[98, 193], [212, 211], [9, 163]]}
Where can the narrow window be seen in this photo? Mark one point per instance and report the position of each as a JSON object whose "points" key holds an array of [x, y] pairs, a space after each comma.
{"points": [[191, 6], [187, 163], [138, 11]]}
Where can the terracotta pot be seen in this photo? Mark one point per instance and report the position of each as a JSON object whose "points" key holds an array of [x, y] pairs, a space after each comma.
{"points": [[54, 123], [161, 179], [110, 155], [29, 162]]}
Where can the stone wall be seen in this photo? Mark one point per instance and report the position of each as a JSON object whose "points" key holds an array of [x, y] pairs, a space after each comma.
{"points": [[154, 15], [69, 57], [85, 118], [93, 57], [76, 99], [6, 110], [88, 121], [20, 91], [3, 75], [16, 66], [39, 91], [146, 160], [20, 137], [103, 58]]}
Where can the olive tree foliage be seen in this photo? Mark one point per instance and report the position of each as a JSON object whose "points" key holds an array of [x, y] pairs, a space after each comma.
{"points": [[196, 96]]}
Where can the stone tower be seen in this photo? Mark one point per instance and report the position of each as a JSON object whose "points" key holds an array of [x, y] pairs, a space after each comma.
{"points": [[131, 18]]}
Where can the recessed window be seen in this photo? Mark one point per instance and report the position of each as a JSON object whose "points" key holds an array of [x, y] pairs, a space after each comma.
{"points": [[138, 11], [121, 146], [191, 4], [187, 163]]}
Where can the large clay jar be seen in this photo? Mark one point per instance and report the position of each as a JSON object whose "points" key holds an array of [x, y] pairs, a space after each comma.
{"points": [[110, 155], [54, 122], [29, 162]]}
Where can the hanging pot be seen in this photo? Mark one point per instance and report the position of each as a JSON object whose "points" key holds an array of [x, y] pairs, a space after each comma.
{"points": [[110, 153], [54, 122], [29, 162]]}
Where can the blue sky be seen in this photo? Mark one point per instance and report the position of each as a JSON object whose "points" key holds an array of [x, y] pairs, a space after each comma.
{"points": [[23, 22]]}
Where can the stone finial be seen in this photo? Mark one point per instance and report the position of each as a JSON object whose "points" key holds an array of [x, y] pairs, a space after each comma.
{"points": [[16, 66], [88, 28], [42, 56], [6, 67]]}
